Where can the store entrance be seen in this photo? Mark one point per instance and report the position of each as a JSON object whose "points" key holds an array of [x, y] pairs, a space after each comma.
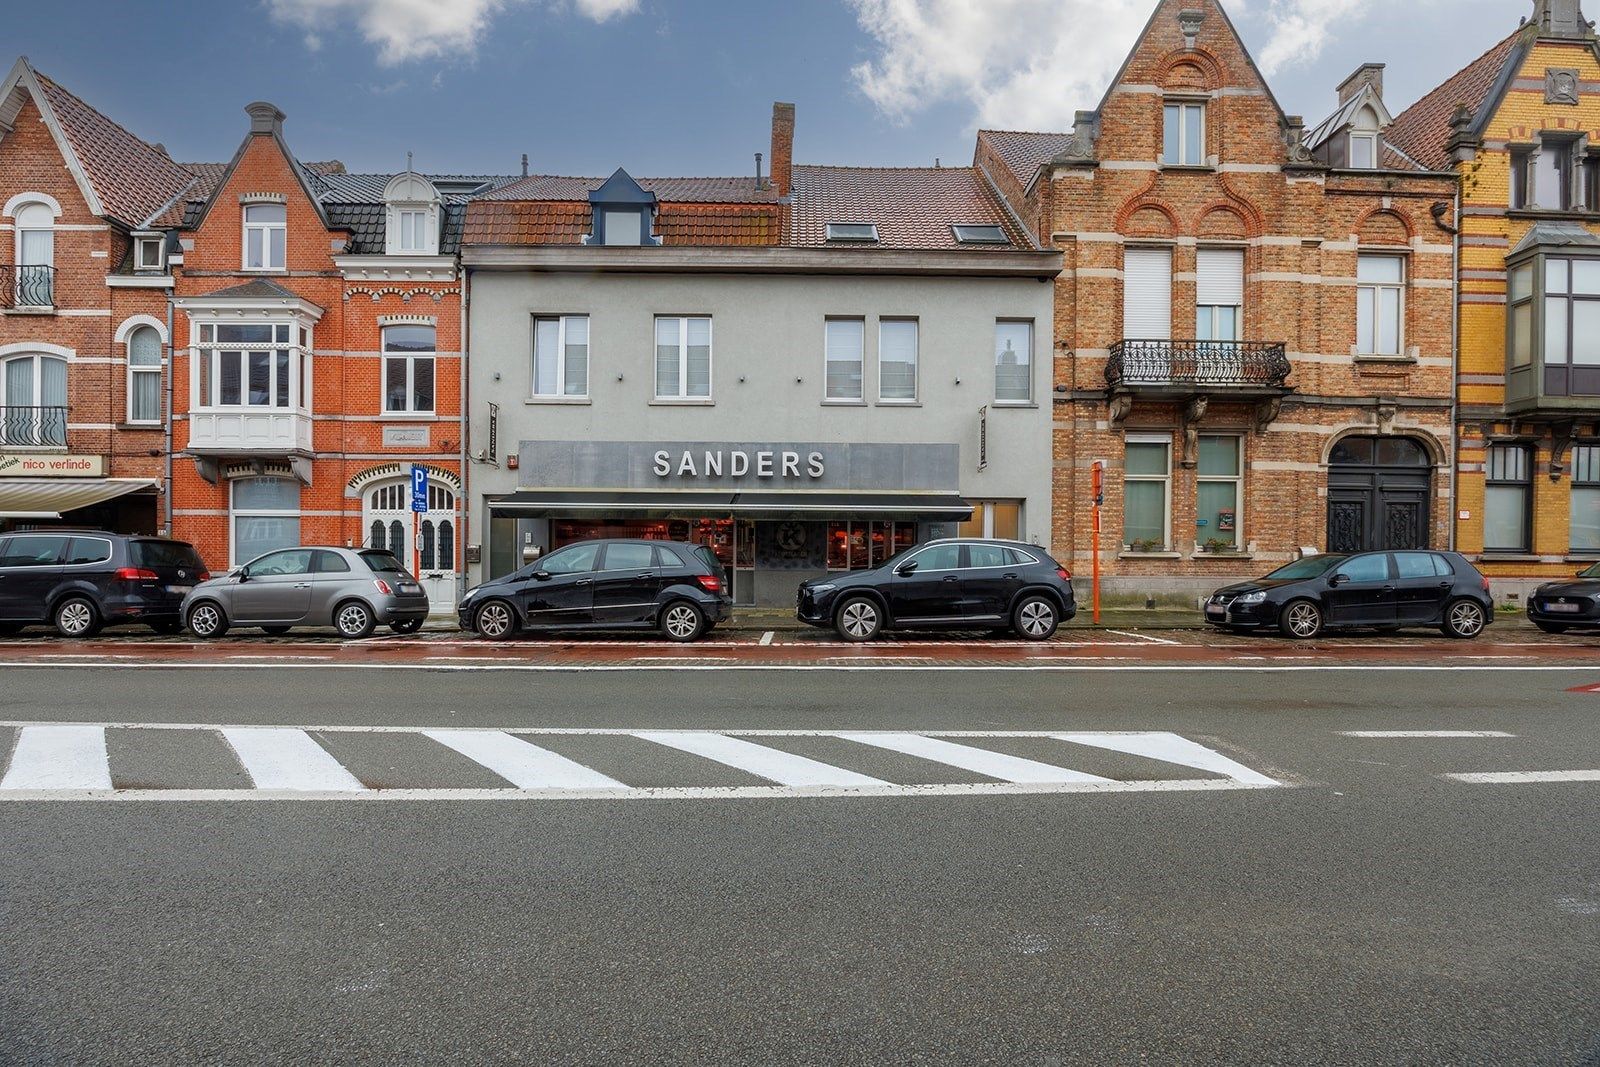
{"points": [[732, 541]]}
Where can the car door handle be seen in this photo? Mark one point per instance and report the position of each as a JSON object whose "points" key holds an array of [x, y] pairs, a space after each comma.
{"points": [[584, 581], [302, 585], [1444, 585], [1388, 589], [1011, 577], [951, 578], [646, 574]]}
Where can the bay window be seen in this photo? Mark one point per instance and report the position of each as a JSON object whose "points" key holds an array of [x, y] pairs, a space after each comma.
{"points": [[254, 365]]}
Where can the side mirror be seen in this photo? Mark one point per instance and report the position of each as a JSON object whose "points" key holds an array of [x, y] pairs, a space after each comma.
{"points": [[1338, 579], [541, 576], [907, 568], [243, 574]]}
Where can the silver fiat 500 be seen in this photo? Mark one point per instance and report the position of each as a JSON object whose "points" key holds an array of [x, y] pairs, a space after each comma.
{"points": [[353, 590]]}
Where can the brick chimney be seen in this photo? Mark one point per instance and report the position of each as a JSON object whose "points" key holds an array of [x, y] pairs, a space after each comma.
{"points": [[782, 147], [264, 118], [1366, 74]]}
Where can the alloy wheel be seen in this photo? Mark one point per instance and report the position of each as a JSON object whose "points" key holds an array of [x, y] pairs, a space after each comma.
{"points": [[204, 620], [1036, 618], [681, 622], [494, 620], [1304, 619], [1466, 619], [353, 621], [859, 619], [75, 618]]}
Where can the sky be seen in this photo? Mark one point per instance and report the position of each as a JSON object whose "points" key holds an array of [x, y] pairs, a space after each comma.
{"points": [[678, 87]]}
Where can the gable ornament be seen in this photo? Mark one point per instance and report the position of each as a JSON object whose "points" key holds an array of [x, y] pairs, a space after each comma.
{"points": [[1561, 86]]}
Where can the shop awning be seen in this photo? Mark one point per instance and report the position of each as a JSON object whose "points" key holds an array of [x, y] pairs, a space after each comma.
{"points": [[639, 504], [52, 498]]}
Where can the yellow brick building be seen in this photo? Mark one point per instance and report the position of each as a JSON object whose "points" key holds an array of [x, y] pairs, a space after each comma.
{"points": [[1521, 127]]}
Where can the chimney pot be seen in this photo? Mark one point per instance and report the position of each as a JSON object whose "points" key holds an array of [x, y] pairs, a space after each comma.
{"points": [[782, 147], [524, 164], [264, 118]]}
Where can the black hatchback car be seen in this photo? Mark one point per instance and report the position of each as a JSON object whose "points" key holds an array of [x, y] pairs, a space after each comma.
{"points": [[1574, 604], [82, 580], [1378, 590], [669, 586], [956, 584]]}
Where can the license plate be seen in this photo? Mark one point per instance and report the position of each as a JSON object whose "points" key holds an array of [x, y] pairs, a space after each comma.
{"points": [[1214, 610], [181, 590], [1564, 607], [407, 588]]}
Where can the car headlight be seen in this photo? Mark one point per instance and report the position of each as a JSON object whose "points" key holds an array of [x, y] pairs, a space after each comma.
{"points": [[825, 587], [1252, 598]]}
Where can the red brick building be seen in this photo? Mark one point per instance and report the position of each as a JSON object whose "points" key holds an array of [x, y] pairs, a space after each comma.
{"points": [[1252, 329], [83, 313], [318, 324]]}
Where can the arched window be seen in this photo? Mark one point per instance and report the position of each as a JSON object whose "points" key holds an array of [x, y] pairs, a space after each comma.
{"points": [[33, 400], [144, 375], [390, 524], [35, 223]]}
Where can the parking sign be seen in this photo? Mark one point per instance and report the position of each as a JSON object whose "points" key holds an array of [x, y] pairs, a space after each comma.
{"points": [[419, 487]]}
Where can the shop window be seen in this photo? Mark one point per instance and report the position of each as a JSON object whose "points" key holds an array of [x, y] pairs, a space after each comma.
{"points": [[144, 375], [683, 358], [1585, 536], [265, 234], [1219, 490], [264, 516], [844, 339], [897, 361], [854, 546], [1380, 300], [1147, 494], [1013, 362], [408, 366], [561, 356], [1183, 134], [1507, 498]]}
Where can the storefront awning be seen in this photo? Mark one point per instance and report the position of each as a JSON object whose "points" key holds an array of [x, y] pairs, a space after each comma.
{"points": [[52, 498], [621, 504]]}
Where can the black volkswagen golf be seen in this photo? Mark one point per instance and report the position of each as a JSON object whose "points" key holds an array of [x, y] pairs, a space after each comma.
{"points": [[1574, 604], [946, 585], [669, 586], [1377, 590]]}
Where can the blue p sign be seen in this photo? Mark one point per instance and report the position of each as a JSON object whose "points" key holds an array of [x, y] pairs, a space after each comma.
{"points": [[419, 488]]}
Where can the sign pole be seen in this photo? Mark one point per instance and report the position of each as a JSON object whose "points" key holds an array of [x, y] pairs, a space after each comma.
{"points": [[419, 504], [1097, 486]]}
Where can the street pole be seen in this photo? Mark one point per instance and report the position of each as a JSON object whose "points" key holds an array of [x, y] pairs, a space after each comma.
{"points": [[1097, 485]]}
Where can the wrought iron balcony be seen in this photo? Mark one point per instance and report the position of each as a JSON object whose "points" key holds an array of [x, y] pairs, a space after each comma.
{"points": [[33, 427], [27, 285], [1187, 367]]}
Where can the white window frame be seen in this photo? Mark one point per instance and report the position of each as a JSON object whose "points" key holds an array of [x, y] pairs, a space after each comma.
{"points": [[265, 230], [916, 362], [134, 371], [1182, 107], [561, 393], [206, 390], [683, 396], [143, 242], [1373, 291], [411, 359], [1238, 486], [860, 360], [1165, 480], [44, 205], [1026, 401], [1371, 138], [234, 514], [1202, 280]]}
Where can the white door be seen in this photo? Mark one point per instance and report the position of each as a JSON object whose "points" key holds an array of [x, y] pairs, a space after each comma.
{"points": [[431, 552]]}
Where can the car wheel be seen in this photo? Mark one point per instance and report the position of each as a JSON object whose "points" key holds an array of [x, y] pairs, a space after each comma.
{"points": [[1547, 627], [76, 617], [858, 619], [1463, 619], [1300, 619], [1035, 619], [275, 631], [353, 620], [166, 626], [206, 621], [682, 621], [494, 619], [406, 626]]}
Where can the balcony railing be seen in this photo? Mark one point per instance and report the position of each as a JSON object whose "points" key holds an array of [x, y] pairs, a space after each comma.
{"points": [[278, 431], [33, 427], [27, 286], [1197, 364]]}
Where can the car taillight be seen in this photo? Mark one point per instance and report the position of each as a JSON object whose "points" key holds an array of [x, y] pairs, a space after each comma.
{"points": [[203, 576], [1064, 574], [383, 586], [709, 582], [1486, 585], [136, 574]]}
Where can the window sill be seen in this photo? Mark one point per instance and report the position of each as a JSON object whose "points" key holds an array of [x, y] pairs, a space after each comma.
{"points": [[899, 403], [844, 403], [1510, 557], [1382, 360], [263, 270], [1224, 555], [1197, 168], [35, 450], [578, 400], [32, 309], [1149, 555], [682, 402], [408, 416], [1023, 404], [140, 425]]}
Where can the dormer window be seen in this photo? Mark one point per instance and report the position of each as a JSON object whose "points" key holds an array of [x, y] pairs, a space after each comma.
{"points": [[979, 233], [1364, 151], [622, 226], [411, 209], [413, 230], [862, 232], [149, 254], [623, 212]]}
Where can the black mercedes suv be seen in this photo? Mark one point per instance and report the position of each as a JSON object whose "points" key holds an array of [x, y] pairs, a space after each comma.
{"points": [[81, 580], [955, 584]]}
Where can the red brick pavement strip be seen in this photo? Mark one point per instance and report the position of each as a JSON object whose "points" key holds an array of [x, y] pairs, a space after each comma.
{"points": [[1147, 648]]}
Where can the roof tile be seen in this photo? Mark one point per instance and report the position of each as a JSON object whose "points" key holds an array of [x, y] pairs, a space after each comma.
{"points": [[1423, 130], [913, 207]]}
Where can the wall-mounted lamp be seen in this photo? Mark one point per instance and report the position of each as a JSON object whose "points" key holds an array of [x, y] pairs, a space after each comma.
{"points": [[497, 376], [958, 381], [619, 377]]}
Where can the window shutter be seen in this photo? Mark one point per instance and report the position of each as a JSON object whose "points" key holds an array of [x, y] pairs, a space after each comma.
{"points": [[1221, 277], [1147, 294]]}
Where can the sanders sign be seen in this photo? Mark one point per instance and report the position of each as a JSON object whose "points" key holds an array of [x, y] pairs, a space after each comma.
{"points": [[737, 463]]}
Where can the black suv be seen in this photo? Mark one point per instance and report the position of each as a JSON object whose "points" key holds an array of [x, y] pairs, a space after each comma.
{"points": [[82, 580], [1381, 590], [605, 585], [956, 584]]}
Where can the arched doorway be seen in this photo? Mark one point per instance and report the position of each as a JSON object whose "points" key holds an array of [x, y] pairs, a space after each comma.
{"points": [[388, 522], [1379, 490]]}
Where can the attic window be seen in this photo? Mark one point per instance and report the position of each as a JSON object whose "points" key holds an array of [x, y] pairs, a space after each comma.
{"points": [[148, 253], [979, 233], [853, 231], [1363, 151]]}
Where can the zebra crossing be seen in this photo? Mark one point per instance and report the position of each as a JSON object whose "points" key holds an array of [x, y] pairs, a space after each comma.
{"points": [[194, 761]]}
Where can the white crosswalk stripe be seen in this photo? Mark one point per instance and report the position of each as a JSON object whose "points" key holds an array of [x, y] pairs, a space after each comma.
{"points": [[1170, 748], [288, 759], [524, 765], [781, 767], [59, 757], [978, 760]]}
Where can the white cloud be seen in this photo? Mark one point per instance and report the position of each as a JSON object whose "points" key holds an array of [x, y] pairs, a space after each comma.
{"points": [[405, 30], [1029, 64]]}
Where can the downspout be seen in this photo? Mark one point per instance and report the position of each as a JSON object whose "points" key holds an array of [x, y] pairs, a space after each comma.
{"points": [[1455, 373], [466, 471], [166, 429]]}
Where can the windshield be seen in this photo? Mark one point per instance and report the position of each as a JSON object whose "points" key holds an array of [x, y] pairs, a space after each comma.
{"points": [[382, 562], [1310, 567]]}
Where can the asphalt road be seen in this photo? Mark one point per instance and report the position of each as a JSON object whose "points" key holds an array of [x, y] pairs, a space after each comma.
{"points": [[1366, 909]]}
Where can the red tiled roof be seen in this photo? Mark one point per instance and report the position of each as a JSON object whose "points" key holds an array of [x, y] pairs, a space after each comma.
{"points": [[564, 222], [132, 178], [1023, 151], [682, 190], [913, 207], [1422, 130]]}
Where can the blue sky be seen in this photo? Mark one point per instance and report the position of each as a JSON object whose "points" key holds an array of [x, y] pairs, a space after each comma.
{"points": [[676, 87]]}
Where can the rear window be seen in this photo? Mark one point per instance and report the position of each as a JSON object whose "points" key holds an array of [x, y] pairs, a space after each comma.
{"points": [[668, 557], [154, 554], [87, 550], [382, 562]]}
